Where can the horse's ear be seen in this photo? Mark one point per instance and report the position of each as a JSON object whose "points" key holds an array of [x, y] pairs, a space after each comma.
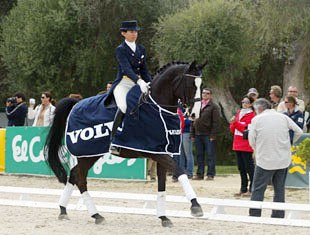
{"points": [[192, 66], [203, 65]]}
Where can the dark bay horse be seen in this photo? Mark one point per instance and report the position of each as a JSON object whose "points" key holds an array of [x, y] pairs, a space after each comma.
{"points": [[173, 82]]}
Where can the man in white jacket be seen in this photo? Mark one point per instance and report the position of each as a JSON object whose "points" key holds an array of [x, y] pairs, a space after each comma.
{"points": [[269, 137]]}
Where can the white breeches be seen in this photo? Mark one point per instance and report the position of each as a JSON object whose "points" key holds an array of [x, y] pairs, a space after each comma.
{"points": [[120, 93]]}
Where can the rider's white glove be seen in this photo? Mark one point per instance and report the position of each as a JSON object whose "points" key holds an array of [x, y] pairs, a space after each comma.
{"points": [[143, 86]]}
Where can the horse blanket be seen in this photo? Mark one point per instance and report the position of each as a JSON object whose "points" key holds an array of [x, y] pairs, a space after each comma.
{"points": [[147, 127]]}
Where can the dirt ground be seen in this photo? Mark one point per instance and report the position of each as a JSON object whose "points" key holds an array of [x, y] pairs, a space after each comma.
{"points": [[28, 220]]}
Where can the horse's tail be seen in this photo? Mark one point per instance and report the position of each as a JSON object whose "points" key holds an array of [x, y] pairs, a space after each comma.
{"points": [[55, 136]]}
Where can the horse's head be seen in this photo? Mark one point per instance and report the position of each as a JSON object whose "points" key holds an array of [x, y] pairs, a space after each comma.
{"points": [[179, 81], [192, 80]]}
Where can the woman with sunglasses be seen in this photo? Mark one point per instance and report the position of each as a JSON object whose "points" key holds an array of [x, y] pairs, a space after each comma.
{"points": [[238, 124], [43, 114]]}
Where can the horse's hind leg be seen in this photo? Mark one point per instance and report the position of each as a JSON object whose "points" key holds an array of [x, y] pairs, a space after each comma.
{"points": [[170, 164], [84, 165], [66, 194], [161, 197]]}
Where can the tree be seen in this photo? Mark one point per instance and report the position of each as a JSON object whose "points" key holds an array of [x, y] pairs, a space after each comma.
{"points": [[5, 6], [69, 46], [219, 31]]}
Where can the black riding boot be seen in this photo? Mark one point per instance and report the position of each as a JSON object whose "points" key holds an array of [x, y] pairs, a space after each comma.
{"points": [[118, 119]]}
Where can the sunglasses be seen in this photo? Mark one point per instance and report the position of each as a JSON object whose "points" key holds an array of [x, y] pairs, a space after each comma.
{"points": [[245, 102], [43, 97], [208, 93]]}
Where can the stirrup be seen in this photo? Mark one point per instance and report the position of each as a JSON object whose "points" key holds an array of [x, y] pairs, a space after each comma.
{"points": [[115, 150]]}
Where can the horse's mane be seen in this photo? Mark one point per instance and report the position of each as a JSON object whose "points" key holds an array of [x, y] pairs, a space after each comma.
{"points": [[167, 66]]}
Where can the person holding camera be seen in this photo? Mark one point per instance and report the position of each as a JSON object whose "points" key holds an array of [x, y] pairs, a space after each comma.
{"points": [[16, 110], [43, 114], [238, 126]]}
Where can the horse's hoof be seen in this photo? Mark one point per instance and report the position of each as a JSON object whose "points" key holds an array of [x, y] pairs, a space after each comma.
{"points": [[196, 211], [167, 223], [63, 217], [99, 220]]}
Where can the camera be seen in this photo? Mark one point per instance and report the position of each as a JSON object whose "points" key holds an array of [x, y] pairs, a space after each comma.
{"points": [[12, 100]]}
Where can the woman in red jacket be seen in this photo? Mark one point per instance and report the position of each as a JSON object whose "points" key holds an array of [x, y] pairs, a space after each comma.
{"points": [[238, 124]]}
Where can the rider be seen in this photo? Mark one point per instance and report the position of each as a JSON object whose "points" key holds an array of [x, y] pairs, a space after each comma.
{"points": [[132, 69]]}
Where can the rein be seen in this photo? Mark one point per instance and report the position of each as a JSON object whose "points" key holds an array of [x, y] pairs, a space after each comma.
{"points": [[143, 97]]}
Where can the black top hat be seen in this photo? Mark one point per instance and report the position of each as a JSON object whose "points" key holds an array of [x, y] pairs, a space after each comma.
{"points": [[129, 25]]}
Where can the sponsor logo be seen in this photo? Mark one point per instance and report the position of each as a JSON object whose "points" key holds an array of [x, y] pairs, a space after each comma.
{"points": [[97, 131]]}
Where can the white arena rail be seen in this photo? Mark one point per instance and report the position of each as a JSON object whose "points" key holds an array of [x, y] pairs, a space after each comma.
{"points": [[294, 211]]}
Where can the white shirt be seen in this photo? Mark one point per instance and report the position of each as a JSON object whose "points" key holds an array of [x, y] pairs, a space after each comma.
{"points": [[132, 45], [48, 114], [269, 137]]}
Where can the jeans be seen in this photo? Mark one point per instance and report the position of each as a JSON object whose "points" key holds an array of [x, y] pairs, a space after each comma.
{"points": [[204, 145], [260, 181], [246, 168], [186, 157]]}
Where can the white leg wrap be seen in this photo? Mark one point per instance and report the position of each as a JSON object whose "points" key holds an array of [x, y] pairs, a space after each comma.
{"points": [[161, 204], [187, 187], [66, 194], [88, 202]]}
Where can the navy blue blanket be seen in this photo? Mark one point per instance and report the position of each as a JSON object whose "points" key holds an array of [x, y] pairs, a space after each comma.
{"points": [[148, 128], [89, 127]]}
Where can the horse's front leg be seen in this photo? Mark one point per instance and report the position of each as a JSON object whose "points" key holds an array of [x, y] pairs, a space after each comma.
{"points": [[190, 194], [84, 165], [161, 196]]}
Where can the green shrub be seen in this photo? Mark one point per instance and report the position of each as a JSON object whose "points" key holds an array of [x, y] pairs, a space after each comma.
{"points": [[303, 150]]}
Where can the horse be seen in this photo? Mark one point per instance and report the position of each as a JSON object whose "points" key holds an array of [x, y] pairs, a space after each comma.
{"points": [[173, 82]]}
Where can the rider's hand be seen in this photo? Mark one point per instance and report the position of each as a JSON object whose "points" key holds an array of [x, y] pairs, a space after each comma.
{"points": [[143, 86]]}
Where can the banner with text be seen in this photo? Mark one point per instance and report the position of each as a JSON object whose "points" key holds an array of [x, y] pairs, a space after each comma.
{"points": [[24, 155]]}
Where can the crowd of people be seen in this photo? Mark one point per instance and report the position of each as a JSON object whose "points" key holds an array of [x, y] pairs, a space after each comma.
{"points": [[20, 114], [263, 133]]}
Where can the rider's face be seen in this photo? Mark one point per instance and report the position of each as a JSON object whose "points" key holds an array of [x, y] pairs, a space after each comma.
{"points": [[130, 35]]}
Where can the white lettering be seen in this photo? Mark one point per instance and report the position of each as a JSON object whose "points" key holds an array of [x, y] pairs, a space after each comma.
{"points": [[90, 135], [110, 160], [97, 131], [19, 153], [74, 135], [174, 132], [34, 158]]}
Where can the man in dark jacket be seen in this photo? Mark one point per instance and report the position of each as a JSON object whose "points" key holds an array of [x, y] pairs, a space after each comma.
{"points": [[16, 110], [203, 132]]}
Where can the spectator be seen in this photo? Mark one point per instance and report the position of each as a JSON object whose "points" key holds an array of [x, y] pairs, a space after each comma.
{"points": [[108, 87], [292, 91], [275, 95], [177, 158], [151, 169], [238, 124], [16, 110], [269, 138], [203, 132], [252, 92], [186, 157], [43, 114], [294, 113]]}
